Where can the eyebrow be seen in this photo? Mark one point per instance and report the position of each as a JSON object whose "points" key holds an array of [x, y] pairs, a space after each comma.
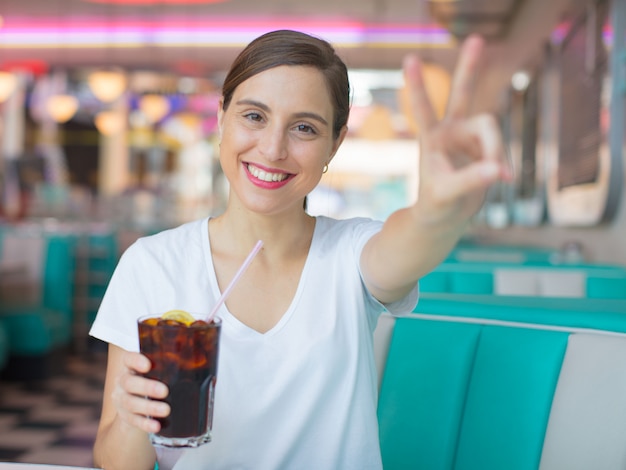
{"points": [[302, 115]]}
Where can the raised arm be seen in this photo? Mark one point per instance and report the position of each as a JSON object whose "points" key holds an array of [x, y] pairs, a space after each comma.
{"points": [[122, 440], [460, 157]]}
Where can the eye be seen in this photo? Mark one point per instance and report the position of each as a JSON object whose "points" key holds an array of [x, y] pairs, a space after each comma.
{"points": [[306, 129], [252, 116]]}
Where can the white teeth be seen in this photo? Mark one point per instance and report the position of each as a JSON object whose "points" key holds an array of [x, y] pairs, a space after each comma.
{"points": [[265, 176]]}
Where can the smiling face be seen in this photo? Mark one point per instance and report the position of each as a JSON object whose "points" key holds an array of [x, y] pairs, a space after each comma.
{"points": [[276, 137]]}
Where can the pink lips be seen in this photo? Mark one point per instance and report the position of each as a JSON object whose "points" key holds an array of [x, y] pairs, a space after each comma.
{"points": [[266, 184]]}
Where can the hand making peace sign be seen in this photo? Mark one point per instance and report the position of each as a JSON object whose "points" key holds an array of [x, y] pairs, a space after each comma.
{"points": [[461, 155]]}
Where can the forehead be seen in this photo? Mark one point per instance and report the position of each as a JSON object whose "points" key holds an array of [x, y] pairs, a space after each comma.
{"points": [[292, 85]]}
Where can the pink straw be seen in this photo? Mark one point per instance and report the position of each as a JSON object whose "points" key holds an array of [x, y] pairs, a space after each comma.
{"points": [[234, 280]]}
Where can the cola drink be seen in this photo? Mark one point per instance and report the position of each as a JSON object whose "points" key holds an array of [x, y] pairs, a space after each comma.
{"points": [[184, 357]]}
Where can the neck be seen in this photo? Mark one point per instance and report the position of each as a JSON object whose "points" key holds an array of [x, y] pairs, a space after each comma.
{"points": [[283, 235]]}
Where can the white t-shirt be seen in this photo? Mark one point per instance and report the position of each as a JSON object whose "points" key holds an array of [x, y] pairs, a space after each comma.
{"points": [[303, 395]]}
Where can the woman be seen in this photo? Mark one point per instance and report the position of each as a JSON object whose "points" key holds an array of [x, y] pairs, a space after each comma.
{"points": [[297, 382]]}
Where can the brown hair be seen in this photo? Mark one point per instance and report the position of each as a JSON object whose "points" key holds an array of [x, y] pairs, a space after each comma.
{"points": [[284, 47]]}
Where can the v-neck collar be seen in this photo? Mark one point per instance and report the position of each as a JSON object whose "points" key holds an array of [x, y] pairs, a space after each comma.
{"points": [[239, 328]]}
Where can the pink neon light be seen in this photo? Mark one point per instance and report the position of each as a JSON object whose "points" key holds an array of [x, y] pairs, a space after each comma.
{"points": [[563, 28], [176, 30], [213, 23]]}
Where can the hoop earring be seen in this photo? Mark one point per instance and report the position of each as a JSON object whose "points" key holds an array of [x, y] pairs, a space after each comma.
{"points": [[325, 169]]}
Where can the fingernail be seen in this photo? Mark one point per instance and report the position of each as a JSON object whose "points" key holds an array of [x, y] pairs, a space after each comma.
{"points": [[161, 390]]}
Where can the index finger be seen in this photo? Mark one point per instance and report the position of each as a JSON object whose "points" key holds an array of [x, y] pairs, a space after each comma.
{"points": [[463, 79], [421, 105], [137, 362]]}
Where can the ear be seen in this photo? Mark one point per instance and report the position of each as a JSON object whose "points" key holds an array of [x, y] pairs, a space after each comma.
{"points": [[338, 142]]}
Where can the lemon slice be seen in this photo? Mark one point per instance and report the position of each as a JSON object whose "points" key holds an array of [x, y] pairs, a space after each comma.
{"points": [[179, 316]]}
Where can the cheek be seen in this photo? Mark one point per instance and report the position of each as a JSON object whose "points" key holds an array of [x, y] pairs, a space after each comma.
{"points": [[230, 147], [314, 157], [228, 161], [234, 148], [236, 139], [227, 155]]}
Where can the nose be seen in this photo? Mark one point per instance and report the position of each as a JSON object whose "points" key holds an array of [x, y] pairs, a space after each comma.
{"points": [[273, 143]]}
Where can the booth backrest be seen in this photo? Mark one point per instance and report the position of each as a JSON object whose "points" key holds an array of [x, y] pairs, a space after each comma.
{"points": [[58, 274], [464, 392], [36, 302]]}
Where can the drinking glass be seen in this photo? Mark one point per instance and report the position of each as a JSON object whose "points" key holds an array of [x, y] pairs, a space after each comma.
{"points": [[184, 357]]}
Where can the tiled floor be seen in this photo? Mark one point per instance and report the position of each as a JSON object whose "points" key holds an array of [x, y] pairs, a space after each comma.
{"points": [[53, 421]]}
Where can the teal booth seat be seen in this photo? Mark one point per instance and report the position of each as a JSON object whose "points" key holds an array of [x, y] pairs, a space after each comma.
{"points": [[604, 314], [473, 385], [606, 287], [471, 282], [40, 326], [486, 403], [501, 278], [435, 281]]}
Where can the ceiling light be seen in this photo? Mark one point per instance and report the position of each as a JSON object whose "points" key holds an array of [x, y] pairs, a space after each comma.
{"points": [[8, 84], [109, 123], [107, 85], [155, 107], [61, 108], [520, 80]]}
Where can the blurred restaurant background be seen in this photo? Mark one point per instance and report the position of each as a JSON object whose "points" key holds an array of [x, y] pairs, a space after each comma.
{"points": [[108, 133]]}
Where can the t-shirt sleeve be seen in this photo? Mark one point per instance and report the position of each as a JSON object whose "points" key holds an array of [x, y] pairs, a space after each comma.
{"points": [[124, 301], [406, 304], [364, 229]]}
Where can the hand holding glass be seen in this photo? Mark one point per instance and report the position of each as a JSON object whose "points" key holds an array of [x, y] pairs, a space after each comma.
{"points": [[184, 357]]}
